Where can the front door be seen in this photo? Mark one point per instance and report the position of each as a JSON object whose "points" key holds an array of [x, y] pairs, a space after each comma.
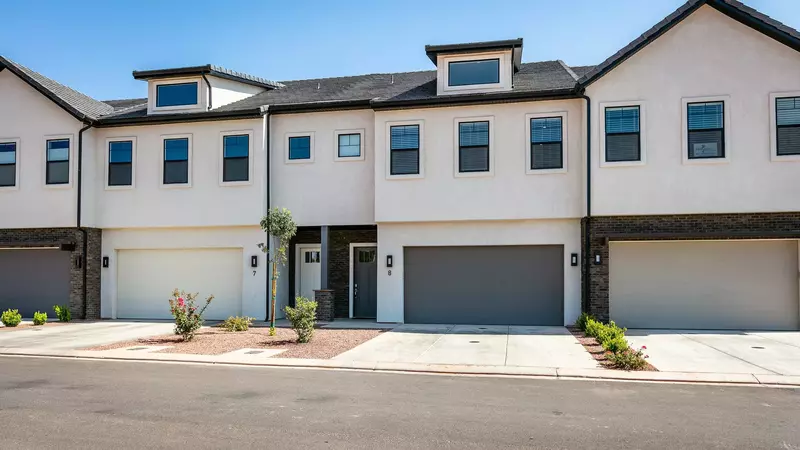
{"points": [[365, 282], [310, 270]]}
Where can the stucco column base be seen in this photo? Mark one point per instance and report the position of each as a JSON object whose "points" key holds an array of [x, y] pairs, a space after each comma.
{"points": [[324, 299]]}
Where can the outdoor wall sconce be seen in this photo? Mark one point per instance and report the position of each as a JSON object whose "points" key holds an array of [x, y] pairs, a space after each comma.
{"points": [[573, 259], [254, 261], [597, 259], [388, 260], [105, 262]]}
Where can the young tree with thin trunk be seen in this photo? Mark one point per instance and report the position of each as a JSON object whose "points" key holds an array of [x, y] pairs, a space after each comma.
{"points": [[279, 226]]}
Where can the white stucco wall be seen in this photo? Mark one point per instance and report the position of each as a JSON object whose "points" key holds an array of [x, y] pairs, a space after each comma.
{"points": [[206, 202], [509, 192], [392, 237], [708, 54], [254, 280], [27, 115], [225, 91], [324, 191]]}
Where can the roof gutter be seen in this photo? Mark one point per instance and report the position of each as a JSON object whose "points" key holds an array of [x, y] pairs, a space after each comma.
{"points": [[461, 100], [84, 235], [341, 105], [252, 113]]}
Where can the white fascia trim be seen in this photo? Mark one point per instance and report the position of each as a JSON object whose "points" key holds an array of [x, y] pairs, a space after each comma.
{"points": [[310, 159], [726, 111], [773, 127], [457, 144], [388, 156], [642, 133], [336, 133], [17, 146], [107, 160], [564, 143], [55, 137], [186, 185], [221, 160]]}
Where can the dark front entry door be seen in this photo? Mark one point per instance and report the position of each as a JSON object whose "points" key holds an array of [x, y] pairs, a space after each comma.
{"points": [[365, 282]]}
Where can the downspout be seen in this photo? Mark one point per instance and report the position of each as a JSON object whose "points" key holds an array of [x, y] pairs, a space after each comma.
{"points": [[269, 205], [84, 235], [210, 105], [587, 248]]}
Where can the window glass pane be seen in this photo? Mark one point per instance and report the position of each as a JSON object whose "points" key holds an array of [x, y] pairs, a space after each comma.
{"points": [[176, 149], [58, 172], [546, 130], [8, 175], [703, 116], [473, 159], [788, 110], [622, 147], [235, 169], [300, 147], [464, 73], [473, 133], [176, 172], [404, 137], [706, 144], [8, 153], [236, 146], [546, 156], [349, 145], [119, 174], [120, 152], [622, 120], [788, 141], [176, 94], [404, 162], [58, 150]]}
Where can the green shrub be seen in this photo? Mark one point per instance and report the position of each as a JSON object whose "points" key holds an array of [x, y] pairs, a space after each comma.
{"points": [[610, 332], [582, 320], [187, 317], [11, 318], [616, 344], [628, 359], [39, 318], [237, 323], [62, 312], [303, 317], [593, 328]]}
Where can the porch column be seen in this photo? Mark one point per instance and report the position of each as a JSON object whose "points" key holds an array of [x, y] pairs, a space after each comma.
{"points": [[323, 257], [324, 296]]}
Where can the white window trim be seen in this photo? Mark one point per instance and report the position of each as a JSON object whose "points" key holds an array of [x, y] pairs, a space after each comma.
{"points": [[108, 162], [336, 156], [353, 246], [222, 135], [55, 137], [564, 143], [311, 150], [456, 145], [726, 111], [186, 185], [388, 165], [16, 142], [153, 95], [443, 63], [642, 134], [773, 127]]}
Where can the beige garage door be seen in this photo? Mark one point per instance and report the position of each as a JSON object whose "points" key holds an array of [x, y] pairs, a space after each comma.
{"points": [[705, 284], [146, 278]]}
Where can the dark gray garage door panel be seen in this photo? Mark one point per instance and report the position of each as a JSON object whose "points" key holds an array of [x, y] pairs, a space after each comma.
{"points": [[34, 280], [499, 285]]}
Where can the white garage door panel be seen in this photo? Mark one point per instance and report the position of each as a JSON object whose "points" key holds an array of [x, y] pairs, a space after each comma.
{"points": [[146, 279], [705, 284]]}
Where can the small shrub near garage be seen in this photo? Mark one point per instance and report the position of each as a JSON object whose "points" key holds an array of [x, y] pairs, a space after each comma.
{"points": [[628, 359], [39, 318], [303, 318], [11, 318], [583, 319], [237, 323], [62, 312], [612, 338], [188, 316]]}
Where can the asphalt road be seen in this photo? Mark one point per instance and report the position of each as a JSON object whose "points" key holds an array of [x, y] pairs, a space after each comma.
{"points": [[58, 403]]}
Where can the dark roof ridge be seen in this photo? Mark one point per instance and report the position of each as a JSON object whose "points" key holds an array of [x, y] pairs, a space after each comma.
{"points": [[569, 70]]}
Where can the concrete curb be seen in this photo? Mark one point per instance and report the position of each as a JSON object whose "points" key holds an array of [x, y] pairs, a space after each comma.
{"points": [[444, 369]]}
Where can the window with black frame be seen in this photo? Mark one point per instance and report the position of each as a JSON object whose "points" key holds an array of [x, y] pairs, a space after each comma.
{"points": [[57, 171], [706, 130], [120, 163], [546, 143], [176, 161], [404, 150], [623, 137], [473, 147], [235, 158], [8, 164], [787, 115]]}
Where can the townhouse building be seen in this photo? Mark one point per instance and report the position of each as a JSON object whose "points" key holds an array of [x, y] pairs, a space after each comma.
{"points": [[659, 188]]}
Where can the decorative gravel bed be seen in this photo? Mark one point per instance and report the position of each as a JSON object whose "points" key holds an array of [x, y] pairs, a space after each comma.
{"points": [[214, 341], [596, 350]]}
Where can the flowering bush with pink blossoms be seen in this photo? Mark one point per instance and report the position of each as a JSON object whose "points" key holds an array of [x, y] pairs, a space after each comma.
{"points": [[188, 317]]}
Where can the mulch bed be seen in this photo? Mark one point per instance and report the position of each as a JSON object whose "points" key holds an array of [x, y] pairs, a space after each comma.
{"points": [[596, 350], [26, 325], [325, 344]]}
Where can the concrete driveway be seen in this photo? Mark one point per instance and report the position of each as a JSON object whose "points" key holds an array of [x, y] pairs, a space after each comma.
{"points": [[485, 345], [76, 335], [751, 352]]}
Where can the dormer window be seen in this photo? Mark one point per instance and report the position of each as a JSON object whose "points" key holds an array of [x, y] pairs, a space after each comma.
{"points": [[178, 94], [468, 73]]}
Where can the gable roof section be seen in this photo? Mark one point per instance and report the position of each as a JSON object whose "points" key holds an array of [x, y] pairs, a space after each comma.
{"points": [[731, 8], [80, 106], [208, 69]]}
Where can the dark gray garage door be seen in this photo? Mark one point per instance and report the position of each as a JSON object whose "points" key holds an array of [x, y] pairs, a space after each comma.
{"points": [[508, 285], [34, 280]]}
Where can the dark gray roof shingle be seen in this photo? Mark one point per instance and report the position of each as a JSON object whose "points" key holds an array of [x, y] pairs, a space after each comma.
{"points": [[126, 103]]}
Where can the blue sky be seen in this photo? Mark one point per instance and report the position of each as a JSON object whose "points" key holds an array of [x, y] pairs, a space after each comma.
{"points": [[94, 45]]}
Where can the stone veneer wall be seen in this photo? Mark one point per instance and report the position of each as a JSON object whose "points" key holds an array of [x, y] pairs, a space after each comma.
{"points": [[674, 227]]}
